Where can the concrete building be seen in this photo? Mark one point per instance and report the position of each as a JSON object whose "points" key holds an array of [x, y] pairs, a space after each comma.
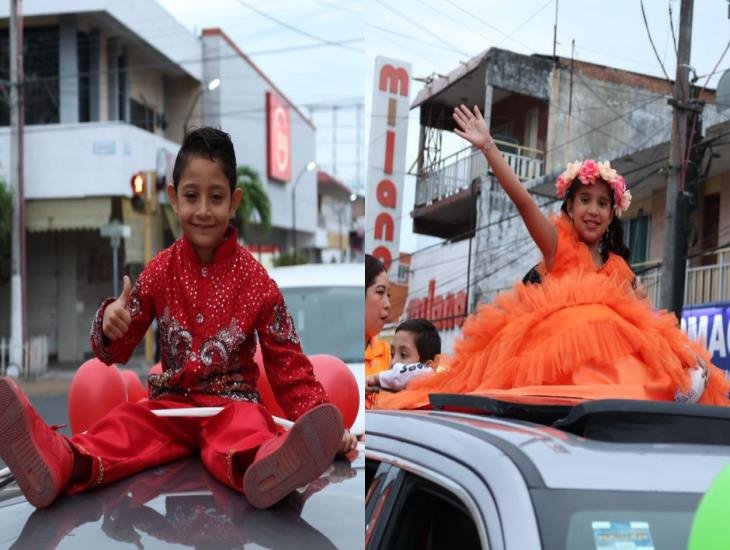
{"points": [[243, 106], [543, 112], [110, 86], [336, 218]]}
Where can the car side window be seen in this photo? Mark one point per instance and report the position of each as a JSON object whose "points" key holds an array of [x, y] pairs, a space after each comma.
{"points": [[426, 515], [382, 478], [371, 466]]}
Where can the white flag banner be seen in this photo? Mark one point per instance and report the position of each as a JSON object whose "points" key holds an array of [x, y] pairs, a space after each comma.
{"points": [[387, 159]]}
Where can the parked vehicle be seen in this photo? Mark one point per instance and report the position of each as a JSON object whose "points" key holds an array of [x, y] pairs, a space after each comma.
{"points": [[180, 505], [511, 476], [326, 302]]}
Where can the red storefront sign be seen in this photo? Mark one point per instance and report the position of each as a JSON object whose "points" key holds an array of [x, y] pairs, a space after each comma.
{"points": [[445, 312], [278, 131]]}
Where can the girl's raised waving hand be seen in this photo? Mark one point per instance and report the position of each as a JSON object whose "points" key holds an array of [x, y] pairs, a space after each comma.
{"points": [[473, 128]]}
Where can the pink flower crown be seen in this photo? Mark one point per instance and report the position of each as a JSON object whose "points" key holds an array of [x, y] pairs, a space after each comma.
{"points": [[589, 172]]}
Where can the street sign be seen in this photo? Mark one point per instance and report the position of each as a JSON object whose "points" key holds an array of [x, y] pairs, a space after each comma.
{"points": [[115, 228]]}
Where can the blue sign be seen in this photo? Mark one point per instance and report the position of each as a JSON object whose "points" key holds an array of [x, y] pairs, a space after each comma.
{"points": [[105, 147], [710, 324]]}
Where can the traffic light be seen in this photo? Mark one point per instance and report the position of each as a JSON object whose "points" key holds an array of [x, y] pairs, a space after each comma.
{"points": [[138, 191]]}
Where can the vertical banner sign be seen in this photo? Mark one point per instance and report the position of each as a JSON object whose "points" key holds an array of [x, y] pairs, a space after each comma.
{"points": [[278, 143], [387, 159]]}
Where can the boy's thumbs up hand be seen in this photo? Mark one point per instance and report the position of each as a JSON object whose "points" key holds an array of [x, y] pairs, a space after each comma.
{"points": [[126, 291], [116, 317]]}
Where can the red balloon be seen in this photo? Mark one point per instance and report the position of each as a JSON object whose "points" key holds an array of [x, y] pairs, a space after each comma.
{"points": [[267, 394], [95, 390], [340, 385], [135, 389]]}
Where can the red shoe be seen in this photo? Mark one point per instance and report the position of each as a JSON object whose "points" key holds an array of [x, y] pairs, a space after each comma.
{"points": [[40, 458], [294, 459]]}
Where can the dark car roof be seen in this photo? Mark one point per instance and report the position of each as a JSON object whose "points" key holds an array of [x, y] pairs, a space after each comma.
{"points": [[180, 505], [548, 457]]}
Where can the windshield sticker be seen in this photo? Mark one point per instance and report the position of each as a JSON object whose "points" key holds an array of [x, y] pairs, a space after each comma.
{"points": [[626, 535]]}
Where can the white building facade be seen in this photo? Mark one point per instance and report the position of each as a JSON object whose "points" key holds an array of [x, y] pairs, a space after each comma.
{"points": [[110, 86]]}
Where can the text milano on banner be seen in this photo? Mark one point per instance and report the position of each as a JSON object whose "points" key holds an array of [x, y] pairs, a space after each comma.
{"points": [[387, 159]]}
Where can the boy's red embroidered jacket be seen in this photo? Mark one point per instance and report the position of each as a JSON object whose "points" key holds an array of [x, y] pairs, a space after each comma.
{"points": [[209, 316]]}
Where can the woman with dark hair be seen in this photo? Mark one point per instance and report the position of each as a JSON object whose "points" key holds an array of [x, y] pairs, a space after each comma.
{"points": [[377, 309]]}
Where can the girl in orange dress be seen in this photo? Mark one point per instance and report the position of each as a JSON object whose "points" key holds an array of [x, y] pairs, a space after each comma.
{"points": [[586, 331]]}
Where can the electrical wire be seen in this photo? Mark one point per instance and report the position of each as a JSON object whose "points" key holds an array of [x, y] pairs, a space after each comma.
{"points": [[651, 41]]}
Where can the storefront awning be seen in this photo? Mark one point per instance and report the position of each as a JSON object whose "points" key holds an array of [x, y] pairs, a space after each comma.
{"points": [[67, 214]]}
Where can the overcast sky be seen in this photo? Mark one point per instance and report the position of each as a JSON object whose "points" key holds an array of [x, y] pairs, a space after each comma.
{"points": [[436, 35]]}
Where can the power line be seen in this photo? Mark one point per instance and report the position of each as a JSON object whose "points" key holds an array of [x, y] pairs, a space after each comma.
{"points": [[651, 41], [295, 29], [671, 26], [409, 37], [525, 22], [447, 16], [488, 24], [421, 27], [339, 6]]}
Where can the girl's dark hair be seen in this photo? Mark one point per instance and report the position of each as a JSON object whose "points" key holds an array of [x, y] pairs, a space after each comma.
{"points": [[613, 238], [373, 268], [210, 143]]}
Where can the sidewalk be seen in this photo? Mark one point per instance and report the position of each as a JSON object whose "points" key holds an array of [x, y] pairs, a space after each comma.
{"points": [[57, 379], [54, 382]]}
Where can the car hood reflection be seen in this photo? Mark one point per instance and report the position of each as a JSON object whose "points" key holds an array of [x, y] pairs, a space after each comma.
{"points": [[178, 505]]}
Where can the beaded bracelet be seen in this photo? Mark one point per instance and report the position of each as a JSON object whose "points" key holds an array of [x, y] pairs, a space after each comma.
{"points": [[488, 146]]}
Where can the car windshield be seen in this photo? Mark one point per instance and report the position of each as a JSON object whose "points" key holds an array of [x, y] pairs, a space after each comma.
{"points": [[329, 320], [609, 520]]}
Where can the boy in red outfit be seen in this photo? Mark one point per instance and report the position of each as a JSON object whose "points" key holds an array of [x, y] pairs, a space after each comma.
{"points": [[212, 300]]}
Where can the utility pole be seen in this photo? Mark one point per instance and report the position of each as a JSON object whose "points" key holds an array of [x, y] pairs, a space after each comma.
{"points": [[673, 265], [17, 114], [150, 208], [334, 141]]}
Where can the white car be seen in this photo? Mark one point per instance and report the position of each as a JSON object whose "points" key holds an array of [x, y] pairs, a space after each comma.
{"points": [[326, 302]]}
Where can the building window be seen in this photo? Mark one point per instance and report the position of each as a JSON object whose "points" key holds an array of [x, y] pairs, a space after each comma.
{"points": [[40, 62], [142, 116], [636, 237], [84, 63], [122, 87], [403, 271]]}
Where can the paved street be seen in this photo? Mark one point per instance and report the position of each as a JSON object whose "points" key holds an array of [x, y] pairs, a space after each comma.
{"points": [[49, 395]]}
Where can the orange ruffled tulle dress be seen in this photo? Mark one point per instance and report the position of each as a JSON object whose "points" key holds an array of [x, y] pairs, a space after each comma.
{"points": [[580, 334]]}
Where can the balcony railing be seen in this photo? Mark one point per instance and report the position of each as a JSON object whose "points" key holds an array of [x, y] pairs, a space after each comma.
{"points": [[702, 285], [457, 171]]}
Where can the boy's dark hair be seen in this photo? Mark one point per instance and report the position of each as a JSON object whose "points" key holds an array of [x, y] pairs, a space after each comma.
{"points": [[209, 143], [613, 239], [373, 268], [428, 341]]}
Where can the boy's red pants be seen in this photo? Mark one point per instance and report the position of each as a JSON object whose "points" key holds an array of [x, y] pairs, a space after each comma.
{"points": [[130, 439]]}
